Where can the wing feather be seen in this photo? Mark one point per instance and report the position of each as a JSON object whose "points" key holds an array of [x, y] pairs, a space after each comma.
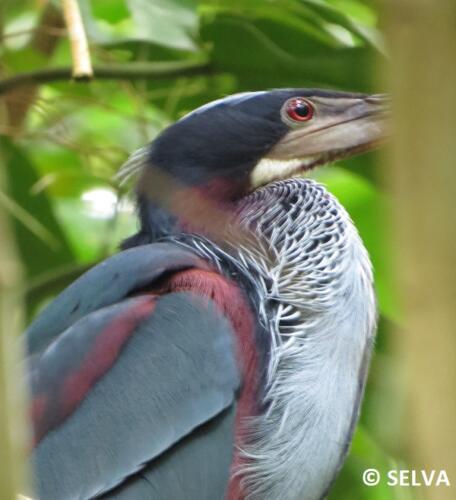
{"points": [[132, 382], [177, 372]]}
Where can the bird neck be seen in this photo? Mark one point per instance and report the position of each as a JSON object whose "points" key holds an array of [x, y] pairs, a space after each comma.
{"points": [[312, 285], [319, 309], [168, 208]]}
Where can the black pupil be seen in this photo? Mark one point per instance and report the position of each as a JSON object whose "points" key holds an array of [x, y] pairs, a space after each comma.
{"points": [[302, 109]]}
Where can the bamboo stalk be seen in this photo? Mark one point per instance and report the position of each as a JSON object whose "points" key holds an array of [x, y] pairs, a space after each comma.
{"points": [[423, 179], [82, 66], [13, 436]]}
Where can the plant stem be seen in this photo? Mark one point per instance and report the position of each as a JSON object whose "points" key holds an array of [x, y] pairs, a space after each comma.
{"points": [[130, 71]]}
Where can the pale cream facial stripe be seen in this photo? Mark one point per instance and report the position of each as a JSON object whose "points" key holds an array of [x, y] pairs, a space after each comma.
{"points": [[268, 169]]}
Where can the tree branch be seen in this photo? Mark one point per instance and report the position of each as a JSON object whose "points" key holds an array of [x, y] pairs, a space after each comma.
{"points": [[129, 71]]}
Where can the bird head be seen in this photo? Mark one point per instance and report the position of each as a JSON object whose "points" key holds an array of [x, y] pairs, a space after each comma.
{"points": [[214, 157]]}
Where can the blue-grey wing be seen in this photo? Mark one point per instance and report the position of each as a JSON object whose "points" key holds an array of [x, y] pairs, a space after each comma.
{"points": [[134, 396]]}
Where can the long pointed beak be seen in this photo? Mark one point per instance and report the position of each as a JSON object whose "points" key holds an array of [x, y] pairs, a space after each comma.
{"points": [[341, 128]]}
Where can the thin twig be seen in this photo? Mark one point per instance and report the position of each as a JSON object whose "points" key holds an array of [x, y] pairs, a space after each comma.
{"points": [[129, 71], [56, 32], [82, 65]]}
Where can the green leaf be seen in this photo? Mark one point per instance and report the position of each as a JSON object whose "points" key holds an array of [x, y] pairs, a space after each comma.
{"points": [[27, 219], [172, 23], [358, 10], [331, 14], [315, 18], [37, 255], [95, 30], [287, 12], [112, 11], [24, 59], [267, 54]]}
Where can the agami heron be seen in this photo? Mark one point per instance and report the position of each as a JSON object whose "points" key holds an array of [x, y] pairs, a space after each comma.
{"points": [[223, 353]]}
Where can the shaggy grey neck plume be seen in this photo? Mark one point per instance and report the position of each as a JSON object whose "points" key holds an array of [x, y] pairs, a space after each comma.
{"points": [[313, 282]]}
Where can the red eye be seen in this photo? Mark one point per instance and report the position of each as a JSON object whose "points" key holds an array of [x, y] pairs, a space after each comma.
{"points": [[299, 109]]}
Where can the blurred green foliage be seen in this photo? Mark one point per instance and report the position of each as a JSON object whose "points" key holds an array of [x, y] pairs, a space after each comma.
{"points": [[76, 135]]}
